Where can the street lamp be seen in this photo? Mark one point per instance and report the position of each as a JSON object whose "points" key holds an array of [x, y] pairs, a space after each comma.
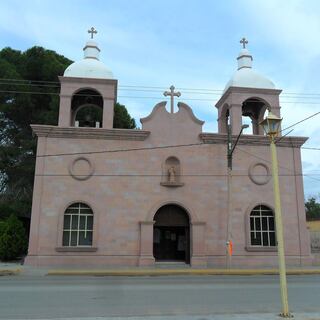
{"points": [[230, 149], [271, 126]]}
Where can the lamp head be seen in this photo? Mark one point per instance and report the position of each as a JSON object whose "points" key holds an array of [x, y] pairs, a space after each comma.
{"points": [[271, 124]]}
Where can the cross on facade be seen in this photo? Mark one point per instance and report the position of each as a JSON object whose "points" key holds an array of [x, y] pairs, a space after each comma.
{"points": [[244, 41], [92, 31], [171, 93]]}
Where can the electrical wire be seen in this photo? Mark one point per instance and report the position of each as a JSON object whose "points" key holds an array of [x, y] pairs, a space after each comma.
{"points": [[120, 150], [160, 175], [310, 148], [136, 149], [269, 161], [137, 97], [44, 83], [309, 117]]}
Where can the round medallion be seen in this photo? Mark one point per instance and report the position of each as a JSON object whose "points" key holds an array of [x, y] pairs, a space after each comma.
{"points": [[259, 173], [81, 168]]}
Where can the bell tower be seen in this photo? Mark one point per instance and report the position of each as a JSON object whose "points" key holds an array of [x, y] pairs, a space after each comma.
{"points": [[247, 94], [88, 91]]}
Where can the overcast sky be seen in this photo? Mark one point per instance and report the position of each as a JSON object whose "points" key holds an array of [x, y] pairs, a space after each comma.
{"points": [[191, 44]]}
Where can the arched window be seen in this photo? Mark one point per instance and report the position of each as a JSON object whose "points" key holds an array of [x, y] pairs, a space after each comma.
{"points": [[77, 225], [262, 227]]}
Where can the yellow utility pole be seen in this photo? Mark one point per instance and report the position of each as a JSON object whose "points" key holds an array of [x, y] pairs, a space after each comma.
{"points": [[271, 126]]}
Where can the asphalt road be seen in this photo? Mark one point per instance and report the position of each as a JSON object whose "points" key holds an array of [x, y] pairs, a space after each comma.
{"points": [[31, 297]]}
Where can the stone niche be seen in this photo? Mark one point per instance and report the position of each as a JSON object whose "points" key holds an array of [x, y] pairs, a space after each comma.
{"points": [[171, 173]]}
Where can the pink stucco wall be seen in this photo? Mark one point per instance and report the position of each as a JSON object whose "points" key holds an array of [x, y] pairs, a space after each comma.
{"points": [[124, 192]]}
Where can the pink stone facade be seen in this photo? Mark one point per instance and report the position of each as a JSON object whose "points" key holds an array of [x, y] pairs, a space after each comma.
{"points": [[121, 175]]}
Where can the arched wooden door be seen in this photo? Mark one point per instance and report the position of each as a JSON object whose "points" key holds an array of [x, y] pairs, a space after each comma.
{"points": [[171, 234]]}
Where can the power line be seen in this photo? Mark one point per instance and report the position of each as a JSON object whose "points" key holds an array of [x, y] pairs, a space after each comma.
{"points": [[161, 175], [138, 97], [174, 146], [121, 88], [139, 149], [260, 158], [97, 95], [310, 148], [134, 149], [39, 83], [313, 115], [120, 150], [165, 147]]}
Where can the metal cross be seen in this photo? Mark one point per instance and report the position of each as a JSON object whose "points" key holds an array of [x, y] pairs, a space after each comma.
{"points": [[171, 93], [92, 31], [244, 41]]}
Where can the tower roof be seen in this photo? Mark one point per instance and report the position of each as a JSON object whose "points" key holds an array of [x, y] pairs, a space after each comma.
{"points": [[245, 76], [90, 66]]}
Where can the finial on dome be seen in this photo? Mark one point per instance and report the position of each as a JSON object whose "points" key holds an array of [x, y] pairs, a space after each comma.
{"points": [[92, 31], [244, 58], [91, 49], [244, 41]]}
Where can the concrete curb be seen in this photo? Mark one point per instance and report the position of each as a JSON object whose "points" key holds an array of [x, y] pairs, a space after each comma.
{"points": [[231, 316], [9, 272], [168, 272]]}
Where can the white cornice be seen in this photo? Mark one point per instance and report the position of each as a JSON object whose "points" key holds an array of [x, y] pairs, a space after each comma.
{"points": [[252, 91], [89, 133], [216, 138], [88, 80]]}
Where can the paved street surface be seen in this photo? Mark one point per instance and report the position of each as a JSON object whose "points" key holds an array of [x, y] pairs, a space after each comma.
{"points": [[202, 297]]}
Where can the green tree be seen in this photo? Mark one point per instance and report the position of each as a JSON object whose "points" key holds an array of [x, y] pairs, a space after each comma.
{"points": [[13, 239], [122, 118], [17, 111], [31, 98], [312, 209]]}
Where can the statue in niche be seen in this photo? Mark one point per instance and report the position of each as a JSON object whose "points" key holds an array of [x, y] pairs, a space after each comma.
{"points": [[172, 174]]}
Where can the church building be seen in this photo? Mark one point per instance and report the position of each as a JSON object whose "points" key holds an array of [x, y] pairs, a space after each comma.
{"points": [[129, 197]]}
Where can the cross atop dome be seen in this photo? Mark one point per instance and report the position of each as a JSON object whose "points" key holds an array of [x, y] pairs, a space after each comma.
{"points": [[92, 31], [244, 58], [244, 41], [90, 66]]}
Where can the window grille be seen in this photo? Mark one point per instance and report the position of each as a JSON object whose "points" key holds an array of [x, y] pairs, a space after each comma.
{"points": [[77, 226], [262, 227]]}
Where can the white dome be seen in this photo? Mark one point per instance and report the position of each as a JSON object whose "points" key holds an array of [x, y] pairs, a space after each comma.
{"points": [[89, 66], [246, 77]]}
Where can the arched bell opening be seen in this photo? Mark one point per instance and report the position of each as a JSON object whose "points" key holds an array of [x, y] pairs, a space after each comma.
{"points": [[87, 109], [224, 119], [253, 110], [171, 234], [227, 119]]}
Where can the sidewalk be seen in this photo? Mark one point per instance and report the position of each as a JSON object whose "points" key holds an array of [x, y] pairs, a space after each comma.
{"points": [[18, 269], [9, 268], [167, 272], [252, 316]]}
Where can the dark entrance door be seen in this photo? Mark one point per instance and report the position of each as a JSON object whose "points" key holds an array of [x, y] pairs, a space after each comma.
{"points": [[171, 240]]}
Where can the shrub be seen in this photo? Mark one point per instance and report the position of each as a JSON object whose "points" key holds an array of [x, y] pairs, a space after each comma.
{"points": [[312, 207], [13, 240]]}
